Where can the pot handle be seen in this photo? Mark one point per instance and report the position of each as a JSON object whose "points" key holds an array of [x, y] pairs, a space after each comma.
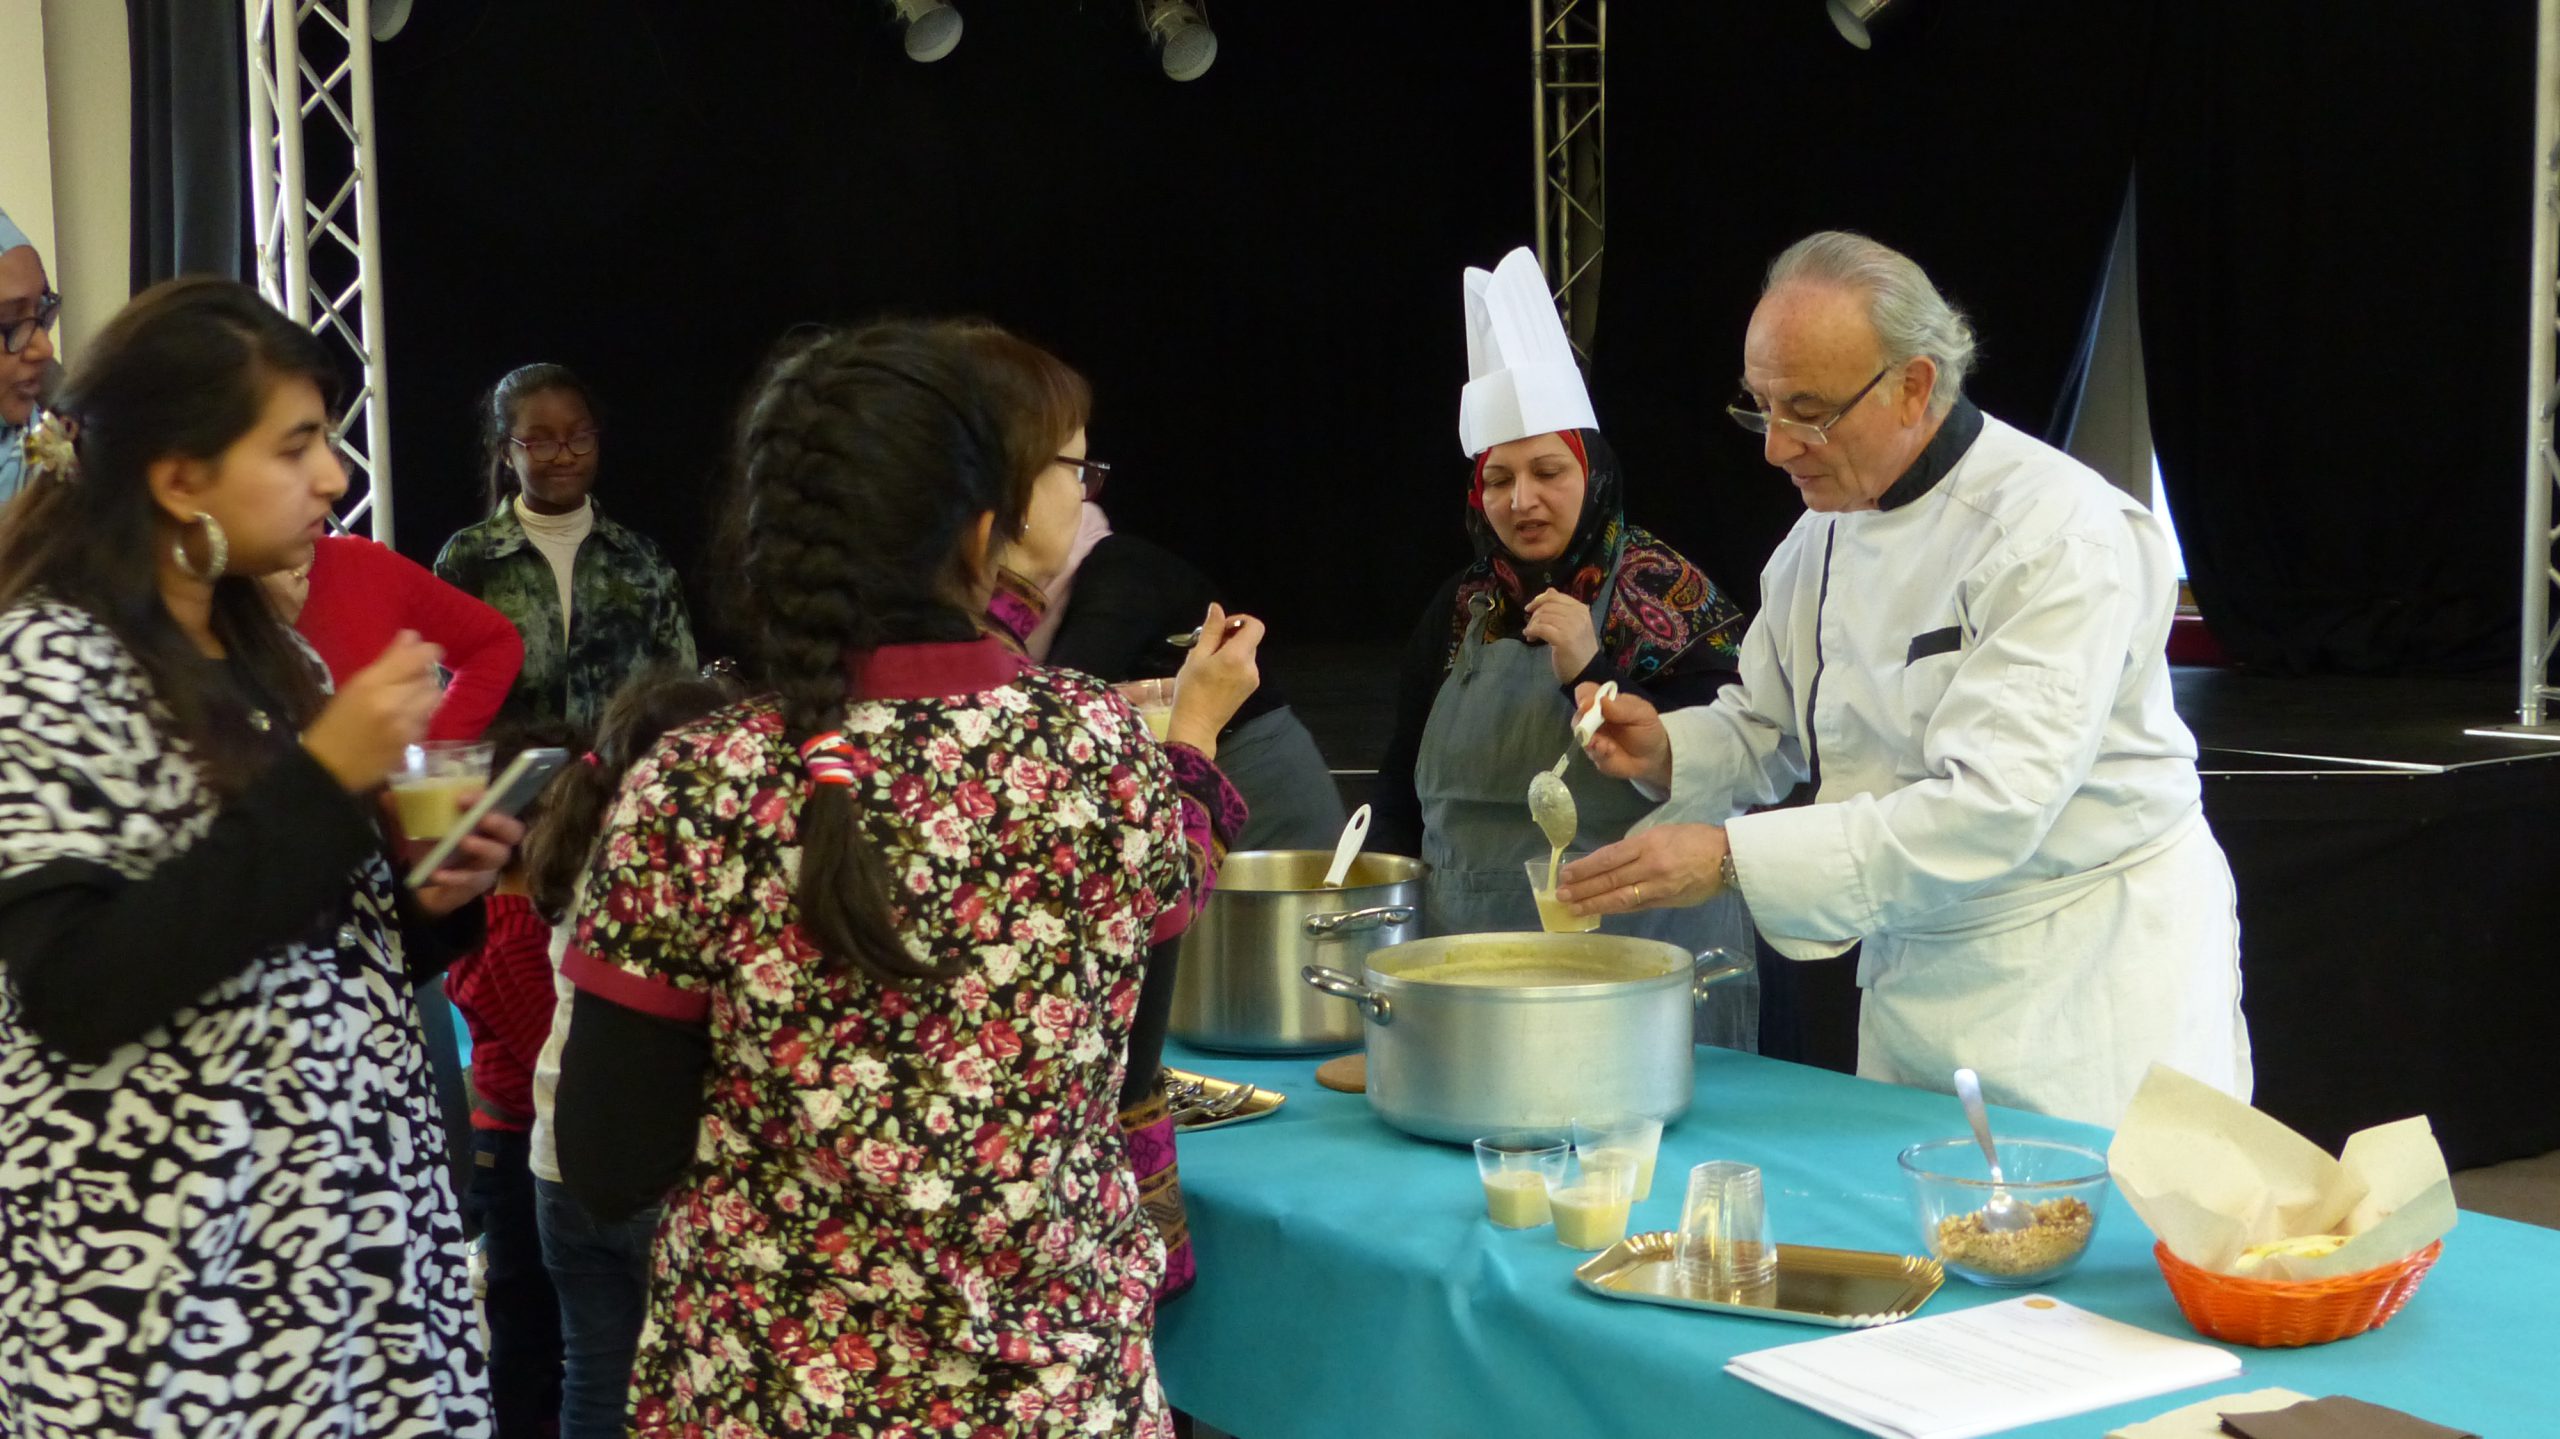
{"points": [[1356, 921], [1714, 967], [1343, 986]]}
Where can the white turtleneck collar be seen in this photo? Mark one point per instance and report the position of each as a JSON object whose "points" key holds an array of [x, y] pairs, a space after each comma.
{"points": [[558, 537]]}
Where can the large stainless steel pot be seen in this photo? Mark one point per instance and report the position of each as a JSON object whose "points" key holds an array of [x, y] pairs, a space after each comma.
{"points": [[1474, 1034], [1236, 986]]}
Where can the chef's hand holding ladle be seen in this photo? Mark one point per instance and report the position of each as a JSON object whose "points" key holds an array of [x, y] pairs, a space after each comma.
{"points": [[1668, 867], [1631, 743], [1217, 677]]}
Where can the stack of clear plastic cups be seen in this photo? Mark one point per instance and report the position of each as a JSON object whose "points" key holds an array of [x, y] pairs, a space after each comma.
{"points": [[1726, 1254]]}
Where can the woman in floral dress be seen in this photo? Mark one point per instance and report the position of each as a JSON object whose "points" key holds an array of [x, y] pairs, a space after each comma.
{"points": [[860, 956]]}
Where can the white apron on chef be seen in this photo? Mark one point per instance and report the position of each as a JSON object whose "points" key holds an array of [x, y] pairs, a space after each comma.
{"points": [[2007, 809], [1498, 719], [2003, 984]]}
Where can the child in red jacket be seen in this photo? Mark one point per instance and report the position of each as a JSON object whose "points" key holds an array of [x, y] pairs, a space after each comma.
{"points": [[504, 992]]}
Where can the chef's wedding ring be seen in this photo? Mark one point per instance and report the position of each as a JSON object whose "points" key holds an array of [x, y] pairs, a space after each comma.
{"points": [[1635, 894]]}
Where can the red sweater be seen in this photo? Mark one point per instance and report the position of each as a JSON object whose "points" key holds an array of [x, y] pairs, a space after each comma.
{"points": [[363, 594], [504, 991]]}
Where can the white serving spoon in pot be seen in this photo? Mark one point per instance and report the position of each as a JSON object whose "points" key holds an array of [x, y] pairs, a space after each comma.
{"points": [[1347, 848]]}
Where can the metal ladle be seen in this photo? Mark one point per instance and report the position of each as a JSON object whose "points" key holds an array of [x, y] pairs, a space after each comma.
{"points": [[1550, 802], [2003, 1214]]}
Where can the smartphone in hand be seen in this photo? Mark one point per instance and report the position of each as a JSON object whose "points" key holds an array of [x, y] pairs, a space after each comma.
{"points": [[508, 794]]}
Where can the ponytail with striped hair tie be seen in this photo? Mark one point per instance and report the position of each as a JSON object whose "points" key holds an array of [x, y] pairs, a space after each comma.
{"points": [[828, 759]]}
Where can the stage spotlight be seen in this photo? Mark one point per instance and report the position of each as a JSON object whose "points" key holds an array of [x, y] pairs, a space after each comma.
{"points": [[1851, 17], [389, 16], [1189, 46], [933, 28]]}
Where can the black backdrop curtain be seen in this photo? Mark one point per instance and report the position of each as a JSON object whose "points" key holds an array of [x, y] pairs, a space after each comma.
{"points": [[1989, 140], [190, 139], [1258, 270], [2334, 237]]}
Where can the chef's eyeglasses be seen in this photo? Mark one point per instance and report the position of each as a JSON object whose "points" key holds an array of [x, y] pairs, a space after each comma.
{"points": [[1090, 473], [543, 452], [1747, 413], [17, 334]]}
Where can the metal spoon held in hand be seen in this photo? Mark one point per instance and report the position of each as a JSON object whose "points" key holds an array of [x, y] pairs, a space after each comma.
{"points": [[1191, 636], [1550, 802], [2004, 1213]]}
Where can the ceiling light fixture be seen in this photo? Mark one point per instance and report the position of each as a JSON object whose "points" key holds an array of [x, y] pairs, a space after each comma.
{"points": [[1189, 47], [933, 28]]}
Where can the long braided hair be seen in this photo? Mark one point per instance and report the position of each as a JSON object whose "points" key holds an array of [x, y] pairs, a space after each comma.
{"points": [[865, 461]]}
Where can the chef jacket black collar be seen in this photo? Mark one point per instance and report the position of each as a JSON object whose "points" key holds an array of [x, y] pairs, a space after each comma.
{"points": [[1956, 435]]}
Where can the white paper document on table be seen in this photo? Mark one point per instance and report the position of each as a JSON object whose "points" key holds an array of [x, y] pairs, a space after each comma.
{"points": [[1981, 1370]]}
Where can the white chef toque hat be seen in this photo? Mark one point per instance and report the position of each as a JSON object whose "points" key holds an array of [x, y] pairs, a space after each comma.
{"points": [[1521, 378]]}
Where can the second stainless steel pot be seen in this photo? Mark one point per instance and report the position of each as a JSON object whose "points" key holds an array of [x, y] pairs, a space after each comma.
{"points": [[1237, 987], [1474, 1034]]}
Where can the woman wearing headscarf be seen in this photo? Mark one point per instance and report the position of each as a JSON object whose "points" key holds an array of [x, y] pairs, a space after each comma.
{"points": [[28, 307], [1563, 590]]}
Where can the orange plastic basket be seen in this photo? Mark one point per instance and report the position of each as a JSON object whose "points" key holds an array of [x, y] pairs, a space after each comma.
{"points": [[2281, 1314]]}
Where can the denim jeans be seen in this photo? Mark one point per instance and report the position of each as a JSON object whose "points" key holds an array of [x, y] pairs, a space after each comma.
{"points": [[524, 1317], [602, 1274]]}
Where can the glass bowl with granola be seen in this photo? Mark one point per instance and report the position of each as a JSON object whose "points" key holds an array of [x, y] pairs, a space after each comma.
{"points": [[2059, 1189]]}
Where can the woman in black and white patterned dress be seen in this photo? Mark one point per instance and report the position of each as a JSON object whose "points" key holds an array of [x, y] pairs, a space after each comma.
{"points": [[223, 1208]]}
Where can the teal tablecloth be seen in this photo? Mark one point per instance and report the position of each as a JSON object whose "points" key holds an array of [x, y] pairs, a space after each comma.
{"points": [[1349, 1285]]}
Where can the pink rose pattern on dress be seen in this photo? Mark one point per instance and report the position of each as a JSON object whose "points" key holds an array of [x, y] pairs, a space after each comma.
{"points": [[911, 1212]]}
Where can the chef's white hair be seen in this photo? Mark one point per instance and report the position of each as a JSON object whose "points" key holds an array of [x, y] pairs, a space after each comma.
{"points": [[1910, 317]]}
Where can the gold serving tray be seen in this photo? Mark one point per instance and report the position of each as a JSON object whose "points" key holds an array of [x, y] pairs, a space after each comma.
{"points": [[1212, 1090], [1839, 1288]]}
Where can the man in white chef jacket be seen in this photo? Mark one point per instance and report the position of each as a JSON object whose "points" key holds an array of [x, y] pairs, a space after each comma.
{"points": [[1962, 645]]}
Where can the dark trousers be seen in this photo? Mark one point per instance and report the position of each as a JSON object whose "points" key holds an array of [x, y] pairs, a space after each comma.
{"points": [[602, 1274], [524, 1314]]}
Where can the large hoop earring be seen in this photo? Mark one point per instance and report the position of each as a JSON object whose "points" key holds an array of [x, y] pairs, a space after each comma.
{"points": [[217, 546]]}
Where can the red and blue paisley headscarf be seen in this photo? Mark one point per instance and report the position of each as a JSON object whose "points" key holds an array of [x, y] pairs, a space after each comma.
{"points": [[1663, 609]]}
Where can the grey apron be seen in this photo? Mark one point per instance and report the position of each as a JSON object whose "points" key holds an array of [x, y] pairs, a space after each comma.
{"points": [[1275, 766], [1498, 719]]}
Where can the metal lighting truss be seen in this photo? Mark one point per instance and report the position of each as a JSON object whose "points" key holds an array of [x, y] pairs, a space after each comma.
{"points": [[1569, 45], [310, 84], [2534, 690]]}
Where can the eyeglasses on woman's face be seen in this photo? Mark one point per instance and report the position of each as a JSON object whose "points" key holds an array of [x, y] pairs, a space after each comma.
{"points": [[17, 334], [1090, 473], [543, 451]]}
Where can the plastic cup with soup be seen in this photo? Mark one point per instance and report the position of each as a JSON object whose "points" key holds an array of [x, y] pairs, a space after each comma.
{"points": [[1554, 915], [436, 782], [1632, 1139], [1591, 1207], [1519, 1170], [1153, 700]]}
